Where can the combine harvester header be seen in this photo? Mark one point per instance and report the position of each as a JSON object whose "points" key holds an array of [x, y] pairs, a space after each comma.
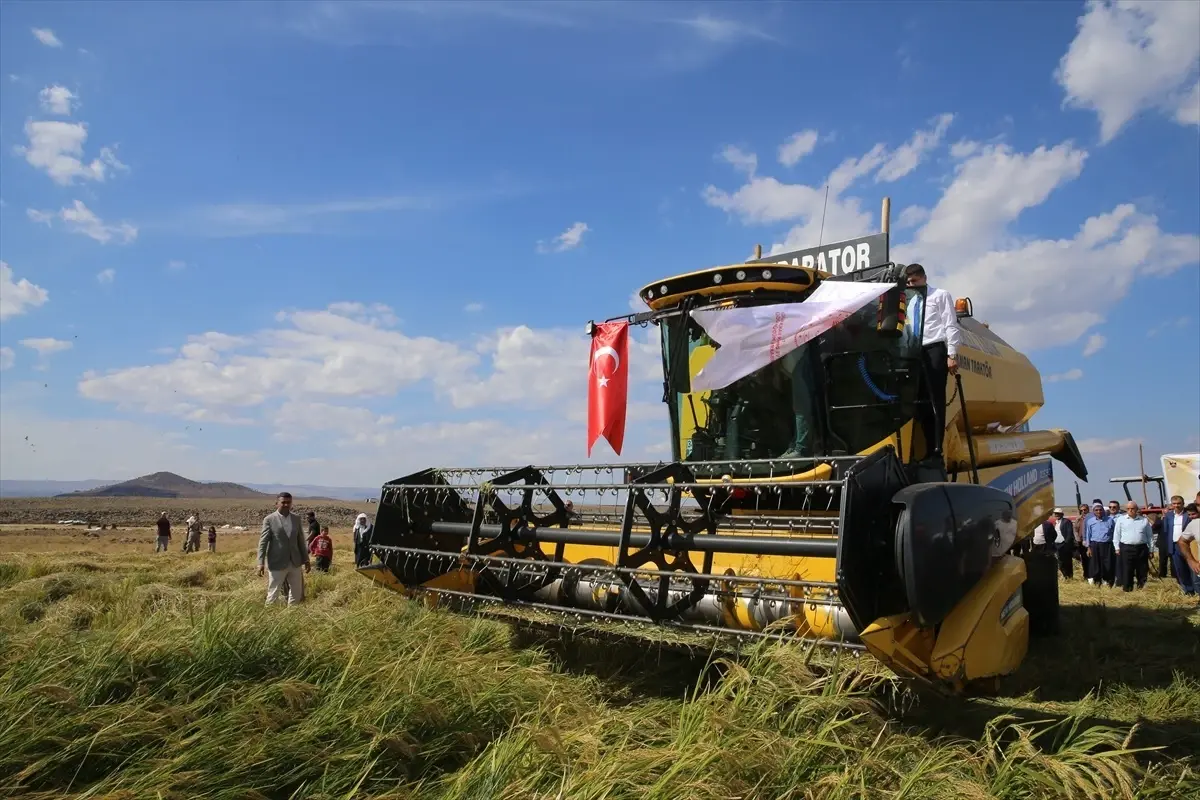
{"points": [[799, 502]]}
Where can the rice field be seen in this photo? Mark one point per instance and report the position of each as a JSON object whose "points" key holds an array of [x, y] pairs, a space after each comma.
{"points": [[126, 674]]}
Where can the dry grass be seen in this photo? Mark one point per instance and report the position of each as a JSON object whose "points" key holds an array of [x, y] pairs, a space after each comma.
{"points": [[127, 674], [142, 511]]}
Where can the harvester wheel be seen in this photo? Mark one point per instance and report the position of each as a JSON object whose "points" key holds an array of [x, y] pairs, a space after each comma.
{"points": [[1040, 592]]}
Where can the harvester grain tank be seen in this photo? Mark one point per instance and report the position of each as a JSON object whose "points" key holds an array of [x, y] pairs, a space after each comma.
{"points": [[853, 538]]}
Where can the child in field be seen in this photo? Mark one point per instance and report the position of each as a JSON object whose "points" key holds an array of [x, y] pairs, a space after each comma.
{"points": [[212, 538], [322, 548]]}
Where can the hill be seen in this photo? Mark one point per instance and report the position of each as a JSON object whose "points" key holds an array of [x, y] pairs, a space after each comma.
{"points": [[168, 484]]}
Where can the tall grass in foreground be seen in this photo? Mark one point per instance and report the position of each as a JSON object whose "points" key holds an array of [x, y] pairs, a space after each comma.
{"points": [[166, 677]]}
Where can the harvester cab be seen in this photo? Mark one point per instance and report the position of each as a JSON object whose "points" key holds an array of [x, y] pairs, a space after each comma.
{"points": [[798, 504]]}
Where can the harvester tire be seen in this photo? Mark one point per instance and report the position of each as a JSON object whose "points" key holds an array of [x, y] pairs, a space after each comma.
{"points": [[1040, 592]]}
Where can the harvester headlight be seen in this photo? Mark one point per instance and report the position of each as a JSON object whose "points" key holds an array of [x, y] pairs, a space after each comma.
{"points": [[741, 274], [662, 289], [766, 274], [717, 278]]}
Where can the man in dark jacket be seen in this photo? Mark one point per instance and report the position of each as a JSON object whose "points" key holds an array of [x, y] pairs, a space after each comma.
{"points": [[1174, 521], [1060, 535], [164, 533]]}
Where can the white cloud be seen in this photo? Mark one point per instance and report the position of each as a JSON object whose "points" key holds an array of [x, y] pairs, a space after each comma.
{"points": [[7, 357], [57, 100], [369, 313], [473, 308], [569, 239], [252, 219], [717, 29], [1133, 56], [966, 241], [321, 374], [991, 188], [907, 157], [1070, 375], [45, 347], [175, 265], [740, 159], [541, 368], [850, 170], [363, 458], [40, 217], [106, 275], [82, 220], [311, 354], [17, 297], [797, 147], [1188, 112], [57, 149], [1098, 445], [765, 200], [46, 37], [233, 451], [911, 217], [1178, 323], [1094, 344], [1095, 267]]}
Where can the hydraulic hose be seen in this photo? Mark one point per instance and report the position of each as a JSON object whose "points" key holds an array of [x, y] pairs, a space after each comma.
{"points": [[875, 390]]}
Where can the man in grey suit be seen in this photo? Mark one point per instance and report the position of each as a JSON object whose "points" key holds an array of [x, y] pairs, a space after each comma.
{"points": [[281, 551]]}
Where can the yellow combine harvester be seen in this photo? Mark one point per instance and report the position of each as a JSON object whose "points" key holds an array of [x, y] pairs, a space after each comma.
{"points": [[856, 541]]}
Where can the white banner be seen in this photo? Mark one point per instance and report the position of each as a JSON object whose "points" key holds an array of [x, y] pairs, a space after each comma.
{"points": [[751, 338]]}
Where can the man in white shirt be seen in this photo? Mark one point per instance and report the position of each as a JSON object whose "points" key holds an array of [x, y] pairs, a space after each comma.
{"points": [[940, 337], [1132, 537]]}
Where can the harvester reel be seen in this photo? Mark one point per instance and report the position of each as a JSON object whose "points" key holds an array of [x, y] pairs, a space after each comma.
{"points": [[513, 539], [665, 526]]}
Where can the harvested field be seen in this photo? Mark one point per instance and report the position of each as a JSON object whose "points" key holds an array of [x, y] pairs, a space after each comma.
{"points": [[141, 512], [129, 674]]}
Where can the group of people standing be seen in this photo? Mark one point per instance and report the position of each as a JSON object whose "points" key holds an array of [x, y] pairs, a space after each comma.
{"points": [[287, 549], [191, 542], [1114, 546]]}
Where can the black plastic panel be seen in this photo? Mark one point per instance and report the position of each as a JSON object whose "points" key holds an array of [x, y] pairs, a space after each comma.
{"points": [[943, 543], [868, 581], [404, 519]]}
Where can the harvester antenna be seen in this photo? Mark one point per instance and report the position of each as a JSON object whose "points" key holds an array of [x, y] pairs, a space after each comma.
{"points": [[825, 205]]}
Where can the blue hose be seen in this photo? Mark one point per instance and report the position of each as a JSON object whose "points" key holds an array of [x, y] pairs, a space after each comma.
{"points": [[875, 390]]}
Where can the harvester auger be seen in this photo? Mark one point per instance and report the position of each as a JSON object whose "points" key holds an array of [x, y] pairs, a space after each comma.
{"points": [[847, 537]]}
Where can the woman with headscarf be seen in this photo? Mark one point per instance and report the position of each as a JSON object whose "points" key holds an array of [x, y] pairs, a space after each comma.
{"points": [[362, 537]]}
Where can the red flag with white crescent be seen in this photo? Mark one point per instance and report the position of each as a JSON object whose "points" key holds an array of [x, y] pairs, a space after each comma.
{"points": [[608, 384]]}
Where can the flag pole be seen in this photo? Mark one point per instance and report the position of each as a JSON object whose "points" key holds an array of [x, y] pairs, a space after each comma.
{"points": [[1142, 469]]}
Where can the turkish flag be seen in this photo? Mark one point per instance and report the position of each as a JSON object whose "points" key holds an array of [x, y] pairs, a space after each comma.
{"points": [[608, 384]]}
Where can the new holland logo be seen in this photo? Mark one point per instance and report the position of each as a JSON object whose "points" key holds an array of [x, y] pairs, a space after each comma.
{"points": [[1011, 605]]}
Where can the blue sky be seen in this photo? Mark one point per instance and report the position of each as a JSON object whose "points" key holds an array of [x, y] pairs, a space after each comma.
{"points": [[332, 243]]}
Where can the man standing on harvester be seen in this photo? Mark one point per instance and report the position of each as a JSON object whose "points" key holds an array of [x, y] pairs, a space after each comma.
{"points": [[939, 354]]}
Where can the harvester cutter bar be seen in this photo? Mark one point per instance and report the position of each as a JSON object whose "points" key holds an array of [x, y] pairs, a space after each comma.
{"points": [[580, 613], [615, 571], [608, 589]]}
